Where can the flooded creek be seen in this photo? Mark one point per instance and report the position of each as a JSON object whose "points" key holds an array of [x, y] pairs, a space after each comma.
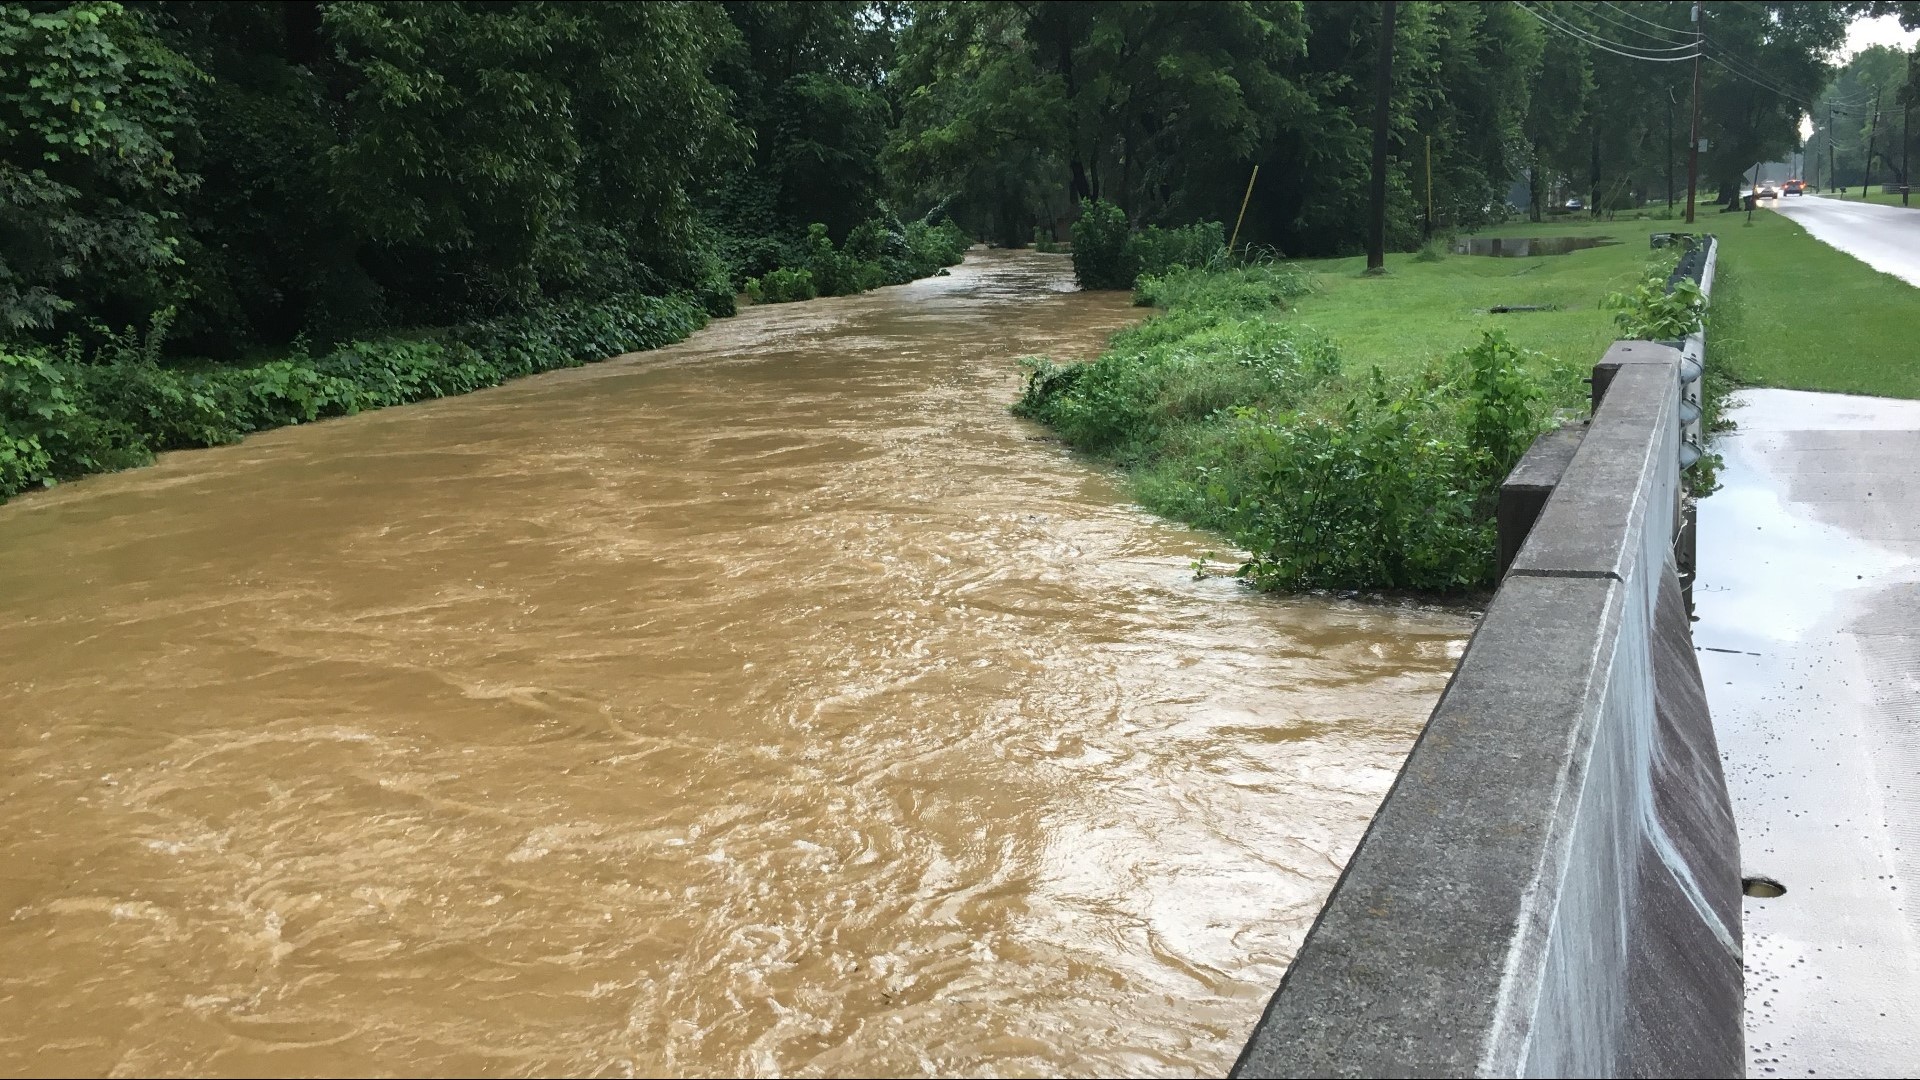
{"points": [[774, 703]]}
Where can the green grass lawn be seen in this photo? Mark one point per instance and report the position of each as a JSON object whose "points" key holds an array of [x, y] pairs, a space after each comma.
{"points": [[1874, 196], [1789, 311], [1795, 313], [1421, 309]]}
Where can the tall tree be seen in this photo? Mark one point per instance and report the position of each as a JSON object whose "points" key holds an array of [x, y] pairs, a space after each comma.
{"points": [[91, 105]]}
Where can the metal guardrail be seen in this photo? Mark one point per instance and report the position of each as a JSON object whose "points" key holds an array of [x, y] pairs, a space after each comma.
{"points": [[1697, 264]]}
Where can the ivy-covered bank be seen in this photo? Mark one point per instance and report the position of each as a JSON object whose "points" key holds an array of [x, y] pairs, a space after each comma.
{"points": [[70, 411], [67, 413]]}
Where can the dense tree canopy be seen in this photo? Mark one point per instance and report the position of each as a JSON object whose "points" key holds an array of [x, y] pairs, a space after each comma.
{"points": [[1867, 102], [264, 171]]}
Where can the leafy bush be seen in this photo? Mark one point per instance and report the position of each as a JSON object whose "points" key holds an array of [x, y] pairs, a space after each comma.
{"points": [[34, 403], [1184, 369], [1107, 256], [1243, 289], [782, 287], [1101, 259], [879, 251], [1234, 420], [1391, 485], [1648, 312], [1155, 251]]}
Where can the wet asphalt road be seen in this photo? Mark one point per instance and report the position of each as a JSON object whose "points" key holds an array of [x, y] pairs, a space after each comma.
{"points": [[1886, 238], [1809, 635]]}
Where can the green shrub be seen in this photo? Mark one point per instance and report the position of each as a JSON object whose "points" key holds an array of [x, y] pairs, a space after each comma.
{"points": [[1243, 289], [1107, 256], [1233, 419], [782, 286], [1043, 240], [1176, 369], [1648, 312], [879, 251], [1101, 259], [1390, 486], [1155, 251], [77, 413], [834, 273], [934, 246], [34, 403]]}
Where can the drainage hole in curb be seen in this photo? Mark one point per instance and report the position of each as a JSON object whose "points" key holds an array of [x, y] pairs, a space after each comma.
{"points": [[1764, 888]]}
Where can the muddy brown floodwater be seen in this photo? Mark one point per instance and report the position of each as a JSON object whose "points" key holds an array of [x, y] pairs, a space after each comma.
{"points": [[773, 703]]}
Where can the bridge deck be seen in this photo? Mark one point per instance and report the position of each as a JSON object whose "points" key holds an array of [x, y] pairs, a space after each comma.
{"points": [[1809, 631]]}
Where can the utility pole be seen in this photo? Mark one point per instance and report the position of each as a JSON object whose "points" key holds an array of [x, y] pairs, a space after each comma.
{"points": [[1382, 115], [1693, 145], [1833, 178], [1429, 187], [1906, 133], [1670, 104], [1873, 129]]}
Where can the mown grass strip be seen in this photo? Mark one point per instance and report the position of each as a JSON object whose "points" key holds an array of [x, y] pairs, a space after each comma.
{"points": [[1875, 196]]}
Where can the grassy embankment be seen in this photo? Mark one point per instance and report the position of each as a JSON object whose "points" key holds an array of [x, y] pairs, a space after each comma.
{"points": [[1421, 310], [1789, 311], [1350, 430], [1852, 194]]}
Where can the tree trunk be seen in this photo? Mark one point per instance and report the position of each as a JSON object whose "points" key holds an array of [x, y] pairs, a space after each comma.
{"points": [[1382, 116], [1593, 199], [1077, 186], [1536, 184]]}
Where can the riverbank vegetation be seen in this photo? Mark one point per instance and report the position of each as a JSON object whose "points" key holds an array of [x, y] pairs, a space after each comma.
{"points": [[1351, 430], [1232, 414]]}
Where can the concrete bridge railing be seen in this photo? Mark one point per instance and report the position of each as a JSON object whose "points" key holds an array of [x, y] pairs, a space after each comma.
{"points": [[1552, 886]]}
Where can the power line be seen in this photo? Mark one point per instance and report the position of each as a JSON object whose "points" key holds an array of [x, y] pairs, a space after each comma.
{"points": [[1604, 44], [1665, 34], [1755, 73], [1732, 65], [1762, 84], [1594, 37]]}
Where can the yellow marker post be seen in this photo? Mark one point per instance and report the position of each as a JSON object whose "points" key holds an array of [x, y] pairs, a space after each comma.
{"points": [[1244, 199]]}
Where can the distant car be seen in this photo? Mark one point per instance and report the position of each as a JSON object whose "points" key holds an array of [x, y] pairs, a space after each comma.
{"points": [[1767, 192], [1576, 204], [1794, 187]]}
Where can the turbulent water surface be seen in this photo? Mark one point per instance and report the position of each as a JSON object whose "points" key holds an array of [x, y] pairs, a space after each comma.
{"points": [[772, 703]]}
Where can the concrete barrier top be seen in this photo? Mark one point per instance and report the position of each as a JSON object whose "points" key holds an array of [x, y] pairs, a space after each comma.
{"points": [[1487, 924]]}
